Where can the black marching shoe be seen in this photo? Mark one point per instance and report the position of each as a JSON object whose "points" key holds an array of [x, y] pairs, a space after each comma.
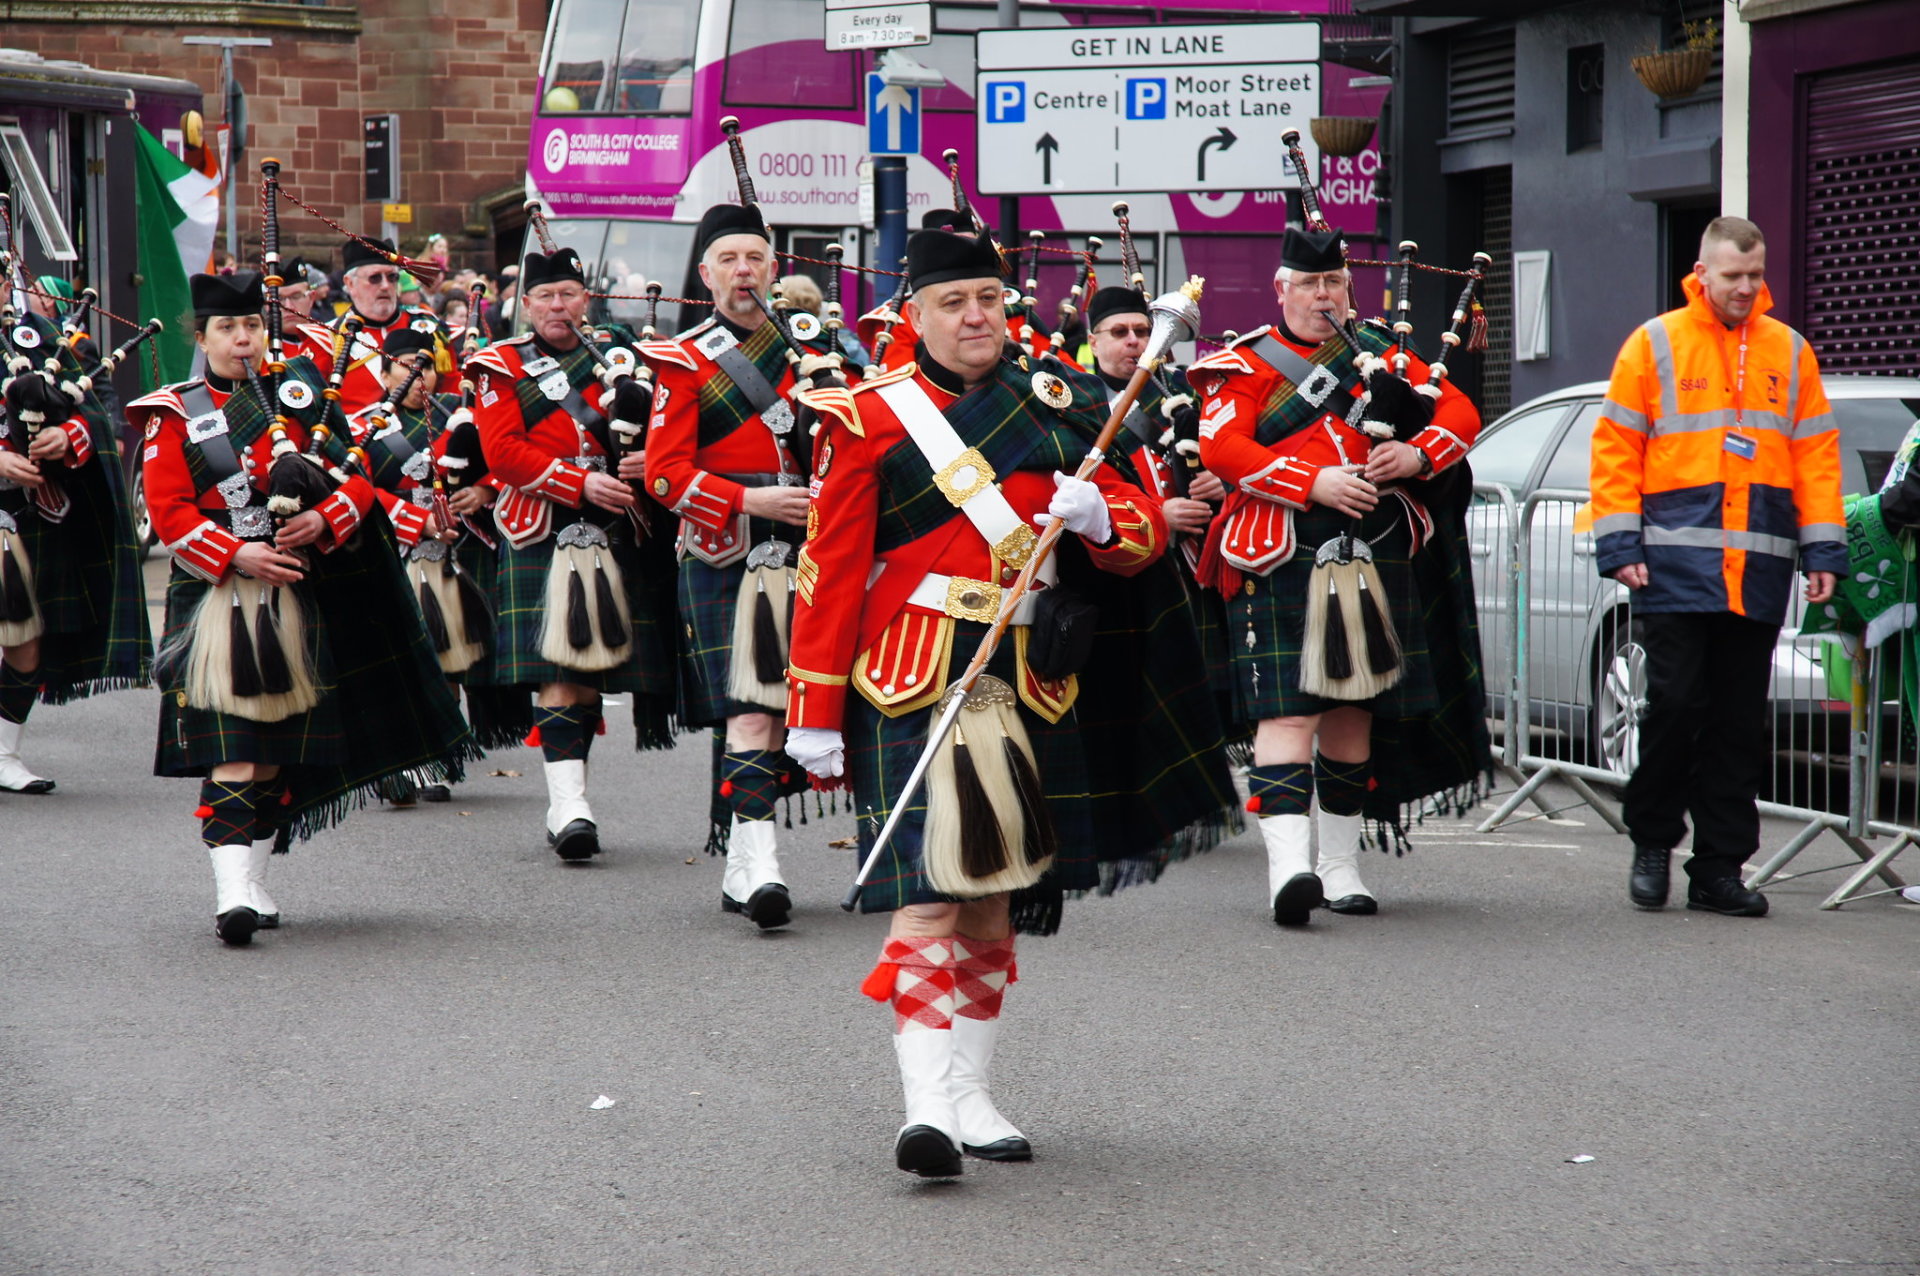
{"points": [[1355, 905], [436, 793], [1295, 901], [1726, 895], [1009, 1149], [925, 1151], [1648, 883], [236, 926], [770, 907], [579, 840]]}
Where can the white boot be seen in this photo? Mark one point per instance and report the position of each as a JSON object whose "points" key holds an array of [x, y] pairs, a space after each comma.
{"points": [[14, 775], [1291, 882], [570, 827], [752, 883], [1338, 867], [263, 903], [234, 916], [928, 1144], [983, 1131]]}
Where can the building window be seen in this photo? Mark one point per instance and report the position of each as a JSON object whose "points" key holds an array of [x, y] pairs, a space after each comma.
{"points": [[777, 56], [1586, 96]]}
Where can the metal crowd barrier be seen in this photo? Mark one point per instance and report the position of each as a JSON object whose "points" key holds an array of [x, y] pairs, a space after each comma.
{"points": [[1566, 681]]}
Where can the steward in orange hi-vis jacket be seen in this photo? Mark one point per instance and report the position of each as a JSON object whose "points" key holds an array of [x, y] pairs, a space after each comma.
{"points": [[1716, 462]]}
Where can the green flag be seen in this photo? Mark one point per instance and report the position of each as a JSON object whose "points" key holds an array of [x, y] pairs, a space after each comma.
{"points": [[175, 210]]}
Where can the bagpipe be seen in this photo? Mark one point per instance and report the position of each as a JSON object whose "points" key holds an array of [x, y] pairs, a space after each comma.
{"points": [[37, 392], [1178, 443], [1351, 651]]}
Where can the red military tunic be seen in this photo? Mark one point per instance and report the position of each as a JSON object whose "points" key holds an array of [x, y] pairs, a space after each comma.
{"points": [[1266, 481], [690, 478], [875, 620], [363, 383], [400, 496], [193, 525], [535, 465]]}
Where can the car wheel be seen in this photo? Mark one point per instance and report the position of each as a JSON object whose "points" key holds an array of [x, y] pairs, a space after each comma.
{"points": [[142, 518], [1619, 699]]}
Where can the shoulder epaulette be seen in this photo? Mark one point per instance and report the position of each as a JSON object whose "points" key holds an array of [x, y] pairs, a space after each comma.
{"points": [[167, 396], [671, 351], [1223, 360], [888, 377], [493, 358], [835, 401], [696, 330]]}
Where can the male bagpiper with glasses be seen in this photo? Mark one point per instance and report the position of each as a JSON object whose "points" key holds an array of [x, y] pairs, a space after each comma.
{"points": [[723, 453], [1280, 422], [582, 609], [372, 279]]}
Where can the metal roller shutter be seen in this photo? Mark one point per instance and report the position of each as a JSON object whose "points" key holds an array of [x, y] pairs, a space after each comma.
{"points": [[1496, 237], [1860, 249]]}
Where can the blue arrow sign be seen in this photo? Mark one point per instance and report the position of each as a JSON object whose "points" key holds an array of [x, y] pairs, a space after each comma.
{"points": [[893, 118]]}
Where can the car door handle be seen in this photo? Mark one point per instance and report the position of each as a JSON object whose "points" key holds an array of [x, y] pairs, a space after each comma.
{"points": [[1481, 549]]}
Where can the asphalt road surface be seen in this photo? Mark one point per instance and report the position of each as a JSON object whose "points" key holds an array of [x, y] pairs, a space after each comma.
{"points": [[399, 1081]]}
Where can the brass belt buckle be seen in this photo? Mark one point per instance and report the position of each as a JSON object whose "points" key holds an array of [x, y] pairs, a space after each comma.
{"points": [[973, 600]]}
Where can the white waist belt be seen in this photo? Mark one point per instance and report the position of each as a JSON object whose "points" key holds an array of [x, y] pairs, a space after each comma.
{"points": [[966, 599]]}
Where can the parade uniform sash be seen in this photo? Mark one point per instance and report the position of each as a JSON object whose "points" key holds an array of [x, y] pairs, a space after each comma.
{"points": [[749, 389], [1308, 383]]}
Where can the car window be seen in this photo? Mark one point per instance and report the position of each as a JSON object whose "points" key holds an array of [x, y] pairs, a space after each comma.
{"points": [[1870, 433], [1572, 463], [1506, 453]]}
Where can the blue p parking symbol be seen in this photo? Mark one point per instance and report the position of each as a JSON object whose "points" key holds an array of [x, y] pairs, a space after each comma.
{"points": [[1007, 102], [1147, 99]]}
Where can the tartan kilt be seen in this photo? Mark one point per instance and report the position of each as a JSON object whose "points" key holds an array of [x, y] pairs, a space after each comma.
{"points": [[708, 597], [59, 584], [194, 741], [1266, 623], [519, 598], [882, 751]]}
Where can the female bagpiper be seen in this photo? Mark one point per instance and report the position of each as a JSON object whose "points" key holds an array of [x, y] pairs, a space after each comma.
{"points": [[294, 672]]}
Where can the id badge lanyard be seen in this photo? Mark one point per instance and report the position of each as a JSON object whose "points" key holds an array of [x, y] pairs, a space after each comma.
{"points": [[1739, 442]]}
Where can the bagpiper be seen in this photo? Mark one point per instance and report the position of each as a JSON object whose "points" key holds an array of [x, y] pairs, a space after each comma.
{"points": [[723, 456], [73, 613], [580, 595], [295, 677], [371, 273], [1077, 764], [1316, 500]]}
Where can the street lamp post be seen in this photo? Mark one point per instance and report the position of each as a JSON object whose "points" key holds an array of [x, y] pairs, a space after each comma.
{"points": [[229, 93]]}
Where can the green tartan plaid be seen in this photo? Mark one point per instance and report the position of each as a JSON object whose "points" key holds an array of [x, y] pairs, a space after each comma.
{"points": [[724, 408], [520, 585], [708, 596], [87, 568], [386, 707], [1266, 622]]}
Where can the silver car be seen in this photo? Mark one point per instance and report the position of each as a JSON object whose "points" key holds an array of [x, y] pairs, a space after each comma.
{"points": [[1585, 674]]}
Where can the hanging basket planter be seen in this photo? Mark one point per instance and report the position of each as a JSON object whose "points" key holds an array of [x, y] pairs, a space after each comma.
{"points": [[1346, 135], [1673, 73]]}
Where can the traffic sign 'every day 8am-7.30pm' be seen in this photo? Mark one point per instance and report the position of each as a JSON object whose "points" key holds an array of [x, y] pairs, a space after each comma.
{"points": [[1093, 110]]}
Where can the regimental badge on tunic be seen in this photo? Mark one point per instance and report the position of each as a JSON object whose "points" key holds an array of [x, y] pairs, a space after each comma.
{"points": [[153, 427], [296, 394], [1053, 391], [826, 459], [555, 385]]}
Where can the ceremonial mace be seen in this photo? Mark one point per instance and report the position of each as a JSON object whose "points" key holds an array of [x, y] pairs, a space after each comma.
{"points": [[1176, 317]]}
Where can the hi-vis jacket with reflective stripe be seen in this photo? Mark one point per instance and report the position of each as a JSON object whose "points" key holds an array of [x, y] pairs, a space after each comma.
{"points": [[1714, 477]]}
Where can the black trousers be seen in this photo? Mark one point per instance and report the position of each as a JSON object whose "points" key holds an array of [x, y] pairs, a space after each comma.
{"points": [[1704, 740]]}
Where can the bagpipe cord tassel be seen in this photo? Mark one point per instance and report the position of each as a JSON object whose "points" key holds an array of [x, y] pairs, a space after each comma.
{"points": [[613, 630], [245, 680], [1477, 328], [276, 676]]}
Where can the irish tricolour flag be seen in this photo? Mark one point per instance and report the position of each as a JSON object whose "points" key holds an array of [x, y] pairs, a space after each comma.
{"points": [[177, 208]]}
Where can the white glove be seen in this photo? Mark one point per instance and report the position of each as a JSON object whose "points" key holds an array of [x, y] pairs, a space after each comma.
{"points": [[819, 749], [1079, 507]]}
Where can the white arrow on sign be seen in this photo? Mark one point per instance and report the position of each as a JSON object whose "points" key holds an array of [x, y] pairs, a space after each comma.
{"points": [[895, 103]]}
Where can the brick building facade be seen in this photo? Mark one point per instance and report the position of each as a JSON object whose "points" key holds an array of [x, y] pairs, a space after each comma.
{"points": [[459, 75]]}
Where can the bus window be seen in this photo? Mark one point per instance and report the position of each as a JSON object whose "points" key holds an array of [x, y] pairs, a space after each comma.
{"points": [[652, 73], [777, 56]]}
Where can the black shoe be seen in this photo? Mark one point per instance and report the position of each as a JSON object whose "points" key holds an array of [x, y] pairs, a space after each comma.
{"points": [[1355, 905], [728, 904], [925, 1151], [579, 840], [33, 788], [1295, 901], [770, 907], [236, 926], [1014, 1149], [269, 921], [1647, 884], [436, 793], [1727, 896]]}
